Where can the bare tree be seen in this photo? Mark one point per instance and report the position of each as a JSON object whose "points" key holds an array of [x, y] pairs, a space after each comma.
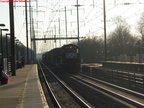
{"points": [[92, 49], [141, 27], [120, 40]]}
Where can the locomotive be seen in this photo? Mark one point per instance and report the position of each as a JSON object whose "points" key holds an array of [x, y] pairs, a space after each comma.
{"points": [[66, 58]]}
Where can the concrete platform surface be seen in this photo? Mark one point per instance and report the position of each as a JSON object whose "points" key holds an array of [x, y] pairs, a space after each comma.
{"points": [[23, 90]]}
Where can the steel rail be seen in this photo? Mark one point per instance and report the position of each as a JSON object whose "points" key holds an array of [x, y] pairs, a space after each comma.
{"points": [[131, 101], [113, 85], [74, 95], [56, 103]]}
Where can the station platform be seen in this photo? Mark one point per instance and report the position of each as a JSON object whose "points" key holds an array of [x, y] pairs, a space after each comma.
{"points": [[23, 90]]}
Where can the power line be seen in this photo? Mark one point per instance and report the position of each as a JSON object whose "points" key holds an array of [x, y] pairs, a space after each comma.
{"points": [[89, 16]]}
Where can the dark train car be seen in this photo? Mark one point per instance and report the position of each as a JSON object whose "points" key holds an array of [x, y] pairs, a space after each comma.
{"points": [[66, 57], [53, 56], [70, 57], [44, 57]]}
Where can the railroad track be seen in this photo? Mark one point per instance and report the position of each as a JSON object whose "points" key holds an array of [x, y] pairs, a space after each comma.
{"points": [[61, 96], [125, 96], [98, 93]]}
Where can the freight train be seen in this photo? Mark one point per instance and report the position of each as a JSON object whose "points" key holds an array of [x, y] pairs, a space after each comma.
{"points": [[66, 58]]}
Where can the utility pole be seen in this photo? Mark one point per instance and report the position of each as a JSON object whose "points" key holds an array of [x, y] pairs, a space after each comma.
{"points": [[30, 20], [66, 24], [59, 32], [105, 40], [11, 11], [77, 5], [34, 43], [27, 31], [37, 26], [27, 40], [65, 10], [55, 35], [32, 31]]}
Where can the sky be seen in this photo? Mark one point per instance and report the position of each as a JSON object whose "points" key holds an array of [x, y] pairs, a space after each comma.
{"points": [[49, 19]]}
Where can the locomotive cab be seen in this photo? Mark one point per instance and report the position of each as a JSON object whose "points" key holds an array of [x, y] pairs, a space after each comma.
{"points": [[66, 57], [71, 57]]}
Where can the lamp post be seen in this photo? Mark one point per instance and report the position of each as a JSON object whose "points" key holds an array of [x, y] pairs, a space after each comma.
{"points": [[1, 25], [1, 54], [17, 53], [7, 51]]}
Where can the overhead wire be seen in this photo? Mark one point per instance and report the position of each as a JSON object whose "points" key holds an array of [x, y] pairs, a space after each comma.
{"points": [[98, 16], [52, 17], [94, 15], [54, 6], [88, 17], [19, 28]]}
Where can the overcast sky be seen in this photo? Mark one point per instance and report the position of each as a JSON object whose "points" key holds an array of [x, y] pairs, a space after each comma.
{"points": [[90, 17]]}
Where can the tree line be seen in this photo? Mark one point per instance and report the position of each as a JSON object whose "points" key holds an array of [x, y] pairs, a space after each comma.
{"points": [[120, 42]]}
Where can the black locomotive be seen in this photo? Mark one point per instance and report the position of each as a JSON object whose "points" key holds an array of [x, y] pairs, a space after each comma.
{"points": [[66, 58]]}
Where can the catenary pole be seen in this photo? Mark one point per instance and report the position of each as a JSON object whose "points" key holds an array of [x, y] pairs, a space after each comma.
{"points": [[78, 22], [11, 12], [27, 43], [105, 42], [66, 24]]}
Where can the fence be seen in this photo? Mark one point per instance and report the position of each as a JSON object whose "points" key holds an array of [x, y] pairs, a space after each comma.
{"points": [[131, 80]]}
